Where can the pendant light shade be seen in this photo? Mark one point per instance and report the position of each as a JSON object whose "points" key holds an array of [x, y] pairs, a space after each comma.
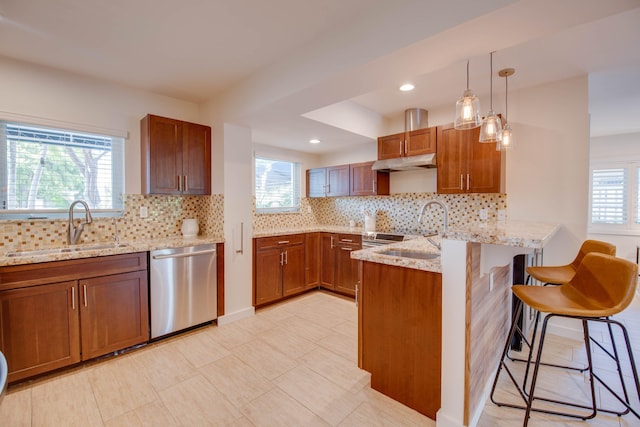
{"points": [[491, 126], [506, 136], [467, 109]]}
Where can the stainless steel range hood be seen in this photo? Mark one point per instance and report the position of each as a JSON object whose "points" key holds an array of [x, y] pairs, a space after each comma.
{"points": [[414, 118], [406, 163]]}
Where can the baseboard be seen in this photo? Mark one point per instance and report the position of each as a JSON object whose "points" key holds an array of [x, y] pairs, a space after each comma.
{"points": [[235, 316]]}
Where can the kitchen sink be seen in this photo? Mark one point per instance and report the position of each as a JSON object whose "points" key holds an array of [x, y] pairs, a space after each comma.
{"points": [[38, 252], [407, 253]]}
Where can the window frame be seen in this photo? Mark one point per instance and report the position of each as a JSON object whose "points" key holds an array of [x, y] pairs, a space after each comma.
{"points": [[117, 166], [297, 185], [632, 224]]}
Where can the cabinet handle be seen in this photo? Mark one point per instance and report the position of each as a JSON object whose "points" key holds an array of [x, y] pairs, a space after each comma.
{"points": [[346, 240], [373, 186], [401, 149], [283, 242], [461, 185], [346, 249], [186, 188], [286, 257], [332, 245], [357, 291], [406, 147], [84, 291], [73, 298], [241, 250], [468, 187], [179, 182], [281, 258]]}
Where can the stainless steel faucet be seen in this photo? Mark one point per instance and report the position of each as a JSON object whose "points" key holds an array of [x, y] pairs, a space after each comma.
{"points": [[434, 202], [74, 232]]}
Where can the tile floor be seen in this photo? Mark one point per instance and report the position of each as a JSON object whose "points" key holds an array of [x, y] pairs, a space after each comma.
{"points": [[293, 364]]}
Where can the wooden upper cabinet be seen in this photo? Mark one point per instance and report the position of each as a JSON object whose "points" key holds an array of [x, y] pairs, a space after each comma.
{"points": [[466, 165], [405, 144], [366, 182], [317, 182], [391, 146], [176, 156], [338, 181]]}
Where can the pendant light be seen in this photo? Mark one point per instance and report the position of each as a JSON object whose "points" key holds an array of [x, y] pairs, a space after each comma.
{"points": [[491, 127], [467, 109], [506, 136]]}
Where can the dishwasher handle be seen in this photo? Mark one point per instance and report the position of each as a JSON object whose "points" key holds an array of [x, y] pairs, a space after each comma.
{"points": [[185, 254]]}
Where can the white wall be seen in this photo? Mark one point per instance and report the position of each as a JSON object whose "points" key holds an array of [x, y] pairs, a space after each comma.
{"points": [[51, 94], [611, 148]]}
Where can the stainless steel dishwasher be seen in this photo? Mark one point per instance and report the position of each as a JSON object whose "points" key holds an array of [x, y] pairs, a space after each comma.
{"points": [[183, 288]]}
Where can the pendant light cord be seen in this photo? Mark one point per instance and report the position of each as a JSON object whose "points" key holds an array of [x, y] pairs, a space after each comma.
{"points": [[491, 81], [467, 74], [506, 98]]}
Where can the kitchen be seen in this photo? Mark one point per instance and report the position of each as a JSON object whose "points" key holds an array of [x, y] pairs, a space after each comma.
{"points": [[531, 178]]}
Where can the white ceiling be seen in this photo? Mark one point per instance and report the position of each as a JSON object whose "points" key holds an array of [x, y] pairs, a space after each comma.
{"points": [[265, 64]]}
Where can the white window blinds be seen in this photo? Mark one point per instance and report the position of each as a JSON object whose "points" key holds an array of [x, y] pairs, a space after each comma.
{"points": [[609, 196], [277, 185], [45, 169]]}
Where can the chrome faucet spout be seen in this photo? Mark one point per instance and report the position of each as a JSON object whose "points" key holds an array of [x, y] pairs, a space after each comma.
{"points": [[73, 232], [434, 202]]}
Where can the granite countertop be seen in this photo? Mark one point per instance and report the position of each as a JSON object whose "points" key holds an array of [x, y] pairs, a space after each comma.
{"points": [[418, 245], [311, 229], [524, 234], [104, 249]]}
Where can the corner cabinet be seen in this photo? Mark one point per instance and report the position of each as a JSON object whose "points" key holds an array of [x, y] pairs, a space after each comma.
{"points": [[176, 156], [406, 144], [279, 267], [338, 271], [59, 313], [466, 165]]}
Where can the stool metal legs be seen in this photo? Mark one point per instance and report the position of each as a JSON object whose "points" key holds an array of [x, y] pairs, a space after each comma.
{"points": [[529, 396]]}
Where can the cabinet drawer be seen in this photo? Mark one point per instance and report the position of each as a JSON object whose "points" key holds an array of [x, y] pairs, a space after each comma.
{"points": [[351, 239], [279, 241]]}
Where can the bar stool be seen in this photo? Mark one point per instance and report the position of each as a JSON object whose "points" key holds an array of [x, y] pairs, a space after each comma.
{"points": [[602, 286], [557, 275]]}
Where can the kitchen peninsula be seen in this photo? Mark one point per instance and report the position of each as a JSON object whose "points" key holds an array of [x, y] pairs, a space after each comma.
{"points": [[470, 290]]}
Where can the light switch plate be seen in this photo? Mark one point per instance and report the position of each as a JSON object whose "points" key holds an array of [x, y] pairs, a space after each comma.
{"points": [[143, 212]]}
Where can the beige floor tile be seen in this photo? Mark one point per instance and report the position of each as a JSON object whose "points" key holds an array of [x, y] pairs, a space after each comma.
{"points": [[305, 329], [380, 410], [66, 400], [195, 402], [201, 349], [265, 359], [337, 369], [239, 383], [341, 344], [255, 324], [231, 335], [277, 408], [289, 343], [323, 397], [119, 385], [149, 415], [164, 365], [15, 408]]}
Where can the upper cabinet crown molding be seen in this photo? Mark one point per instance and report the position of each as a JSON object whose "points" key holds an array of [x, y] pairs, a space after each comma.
{"points": [[176, 156]]}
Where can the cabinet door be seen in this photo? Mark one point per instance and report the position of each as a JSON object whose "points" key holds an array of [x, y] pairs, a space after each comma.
{"points": [[268, 276], [293, 270], [40, 329], [317, 182], [196, 159], [338, 181], [346, 270], [451, 160], [484, 165], [391, 146], [327, 266], [113, 312], [421, 141], [161, 141], [367, 182], [312, 260]]}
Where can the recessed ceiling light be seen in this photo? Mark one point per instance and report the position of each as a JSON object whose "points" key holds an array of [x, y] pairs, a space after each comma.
{"points": [[314, 141], [407, 87]]}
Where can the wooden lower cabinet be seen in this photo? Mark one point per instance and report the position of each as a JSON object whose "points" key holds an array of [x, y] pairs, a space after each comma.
{"points": [[312, 260], [400, 334], [113, 313], [338, 271], [40, 327], [59, 313], [327, 261]]}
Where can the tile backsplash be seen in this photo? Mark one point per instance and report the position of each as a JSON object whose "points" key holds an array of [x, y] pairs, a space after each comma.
{"points": [[165, 215], [398, 211]]}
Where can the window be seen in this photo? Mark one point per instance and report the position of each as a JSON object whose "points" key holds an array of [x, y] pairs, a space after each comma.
{"points": [[45, 169], [615, 198], [277, 186]]}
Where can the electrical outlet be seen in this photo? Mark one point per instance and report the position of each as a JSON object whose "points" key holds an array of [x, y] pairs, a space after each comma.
{"points": [[484, 213], [143, 212], [309, 209]]}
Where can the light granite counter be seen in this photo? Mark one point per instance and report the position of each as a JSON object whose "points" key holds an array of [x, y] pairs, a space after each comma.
{"points": [[85, 251], [522, 234], [312, 229], [418, 244]]}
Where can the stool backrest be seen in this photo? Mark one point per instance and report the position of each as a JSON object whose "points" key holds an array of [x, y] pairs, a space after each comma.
{"points": [[609, 283], [593, 246]]}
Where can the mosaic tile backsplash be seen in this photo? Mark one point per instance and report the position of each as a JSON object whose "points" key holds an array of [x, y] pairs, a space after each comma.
{"points": [[165, 215], [398, 211]]}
